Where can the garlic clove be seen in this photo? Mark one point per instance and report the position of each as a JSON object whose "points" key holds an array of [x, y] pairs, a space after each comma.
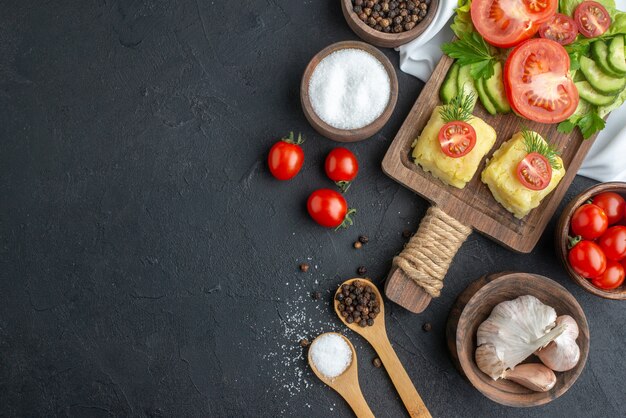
{"points": [[489, 362], [563, 353], [534, 376]]}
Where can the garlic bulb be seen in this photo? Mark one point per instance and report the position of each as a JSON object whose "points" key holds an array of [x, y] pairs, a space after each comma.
{"points": [[563, 353], [514, 330], [534, 376]]}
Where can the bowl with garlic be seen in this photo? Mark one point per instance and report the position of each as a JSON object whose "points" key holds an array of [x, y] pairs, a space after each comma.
{"points": [[521, 339]]}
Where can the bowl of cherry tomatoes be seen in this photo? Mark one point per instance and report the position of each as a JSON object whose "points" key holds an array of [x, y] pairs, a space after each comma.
{"points": [[591, 240]]}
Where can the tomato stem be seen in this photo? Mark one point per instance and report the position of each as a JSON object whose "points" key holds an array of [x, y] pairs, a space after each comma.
{"points": [[343, 185], [292, 140], [347, 220], [573, 241]]}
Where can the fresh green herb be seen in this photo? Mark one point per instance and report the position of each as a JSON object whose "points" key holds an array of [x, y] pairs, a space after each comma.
{"points": [[534, 143], [459, 108], [462, 23], [589, 124], [471, 49]]}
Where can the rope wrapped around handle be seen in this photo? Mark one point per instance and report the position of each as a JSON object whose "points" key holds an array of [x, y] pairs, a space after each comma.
{"points": [[429, 253]]}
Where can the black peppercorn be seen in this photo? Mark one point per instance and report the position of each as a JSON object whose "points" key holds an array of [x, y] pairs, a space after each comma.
{"points": [[304, 343], [377, 363], [357, 9], [316, 295], [406, 233], [427, 327], [361, 270], [363, 239]]}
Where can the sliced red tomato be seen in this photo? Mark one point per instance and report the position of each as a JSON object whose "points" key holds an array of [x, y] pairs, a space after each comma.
{"points": [[506, 23], [559, 28], [537, 81], [592, 19], [612, 277], [534, 171], [457, 138]]}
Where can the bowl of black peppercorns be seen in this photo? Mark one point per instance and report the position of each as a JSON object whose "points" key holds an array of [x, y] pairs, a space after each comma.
{"points": [[389, 23]]}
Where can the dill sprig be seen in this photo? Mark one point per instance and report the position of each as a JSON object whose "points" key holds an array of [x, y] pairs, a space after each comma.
{"points": [[459, 108], [534, 143]]}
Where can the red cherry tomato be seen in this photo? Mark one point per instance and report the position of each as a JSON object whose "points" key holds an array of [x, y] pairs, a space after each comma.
{"points": [[506, 23], [613, 242], [286, 158], [559, 28], [328, 208], [592, 19], [538, 83], [587, 259], [534, 171], [341, 167], [457, 138], [612, 204], [612, 277], [589, 221]]}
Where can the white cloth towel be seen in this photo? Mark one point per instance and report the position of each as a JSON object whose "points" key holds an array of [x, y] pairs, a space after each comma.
{"points": [[606, 161]]}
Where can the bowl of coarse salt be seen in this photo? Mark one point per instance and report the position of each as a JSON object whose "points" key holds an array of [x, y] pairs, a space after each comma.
{"points": [[349, 91]]}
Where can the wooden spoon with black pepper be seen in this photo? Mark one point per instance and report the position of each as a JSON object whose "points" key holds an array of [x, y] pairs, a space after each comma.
{"points": [[376, 334]]}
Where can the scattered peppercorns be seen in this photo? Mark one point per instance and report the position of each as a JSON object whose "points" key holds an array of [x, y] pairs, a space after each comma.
{"points": [[391, 15], [406, 233], [363, 239], [304, 267], [377, 363], [316, 295], [357, 245], [304, 343], [427, 327], [358, 303], [361, 271]]}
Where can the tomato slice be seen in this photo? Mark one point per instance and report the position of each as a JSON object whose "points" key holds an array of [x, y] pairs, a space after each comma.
{"points": [[457, 138], [559, 28], [506, 23], [537, 81], [592, 19], [534, 171]]}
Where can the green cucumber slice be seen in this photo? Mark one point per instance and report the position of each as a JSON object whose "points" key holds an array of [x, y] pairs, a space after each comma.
{"points": [[449, 88], [465, 83], [600, 53], [588, 93], [484, 98], [600, 81], [616, 55], [494, 87]]}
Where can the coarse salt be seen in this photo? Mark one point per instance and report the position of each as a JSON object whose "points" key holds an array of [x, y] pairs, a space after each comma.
{"points": [[331, 355], [349, 89]]}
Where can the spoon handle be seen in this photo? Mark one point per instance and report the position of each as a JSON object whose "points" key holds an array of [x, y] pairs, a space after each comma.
{"points": [[401, 380], [353, 395]]}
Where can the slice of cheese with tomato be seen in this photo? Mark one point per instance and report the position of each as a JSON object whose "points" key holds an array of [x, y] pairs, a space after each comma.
{"points": [[455, 172], [500, 175]]}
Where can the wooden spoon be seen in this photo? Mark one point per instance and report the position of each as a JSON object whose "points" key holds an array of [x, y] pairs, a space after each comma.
{"points": [[376, 335], [347, 383]]}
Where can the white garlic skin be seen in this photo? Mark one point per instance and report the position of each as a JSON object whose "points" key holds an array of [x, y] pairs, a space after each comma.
{"points": [[563, 353]]}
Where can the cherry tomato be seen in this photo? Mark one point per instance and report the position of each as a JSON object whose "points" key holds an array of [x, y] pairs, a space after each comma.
{"points": [[613, 242], [559, 28], [341, 167], [587, 259], [286, 157], [457, 138], [538, 83], [506, 23], [612, 204], [534, 171], [612, 277], [328, 208], [589, 221], [592, 19]]}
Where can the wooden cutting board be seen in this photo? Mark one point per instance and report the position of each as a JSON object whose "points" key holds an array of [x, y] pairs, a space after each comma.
{"points": [[474, 206]]}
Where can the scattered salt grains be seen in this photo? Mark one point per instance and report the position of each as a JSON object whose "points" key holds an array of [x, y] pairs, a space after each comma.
{"points": [[331, 355], [349, 89]]}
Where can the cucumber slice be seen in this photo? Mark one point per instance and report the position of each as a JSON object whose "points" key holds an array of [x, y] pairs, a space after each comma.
{"points": [[449, 88], [605, 110], [465, 84], [600, 53], [589, 94], [484, 98], [600, 81], [616, 55], [494, 87]]}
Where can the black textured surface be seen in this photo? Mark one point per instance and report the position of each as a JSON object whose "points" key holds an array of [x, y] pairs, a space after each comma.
{"points": [[149, 262]]}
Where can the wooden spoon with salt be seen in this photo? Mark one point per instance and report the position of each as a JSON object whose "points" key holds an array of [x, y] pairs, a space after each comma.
{"points": [[376, 335], [347, 383]]}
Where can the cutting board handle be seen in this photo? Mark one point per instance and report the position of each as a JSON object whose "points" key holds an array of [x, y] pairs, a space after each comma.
{"points": [[418, 271]]}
